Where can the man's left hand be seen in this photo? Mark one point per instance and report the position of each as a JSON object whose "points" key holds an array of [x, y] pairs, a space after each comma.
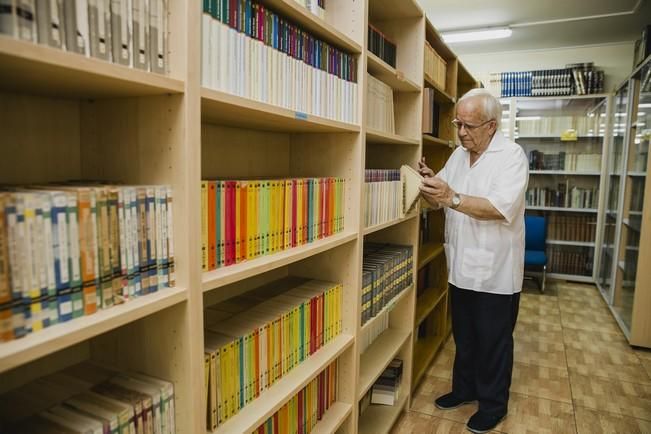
{"points": [[437, 190]]}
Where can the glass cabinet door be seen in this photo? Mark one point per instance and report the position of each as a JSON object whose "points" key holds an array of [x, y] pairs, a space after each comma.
{"points": [[636, 172], [615, 171], [563, 141]]}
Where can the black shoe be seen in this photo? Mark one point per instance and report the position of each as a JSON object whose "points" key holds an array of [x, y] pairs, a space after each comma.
{"points": [[449, 401], [480, 423]]}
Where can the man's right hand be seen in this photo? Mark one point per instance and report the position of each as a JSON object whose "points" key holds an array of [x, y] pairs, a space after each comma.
{"points": [[424, 171]]}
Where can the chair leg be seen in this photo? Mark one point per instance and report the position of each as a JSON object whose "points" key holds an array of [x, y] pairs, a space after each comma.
{"points": [[544, 278]]}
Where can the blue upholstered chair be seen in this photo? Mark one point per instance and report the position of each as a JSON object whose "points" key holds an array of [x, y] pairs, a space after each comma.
{"points": [[535, 244]]}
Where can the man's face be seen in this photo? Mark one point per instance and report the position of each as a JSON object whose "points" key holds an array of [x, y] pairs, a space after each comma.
{"points": [[469, 113]]}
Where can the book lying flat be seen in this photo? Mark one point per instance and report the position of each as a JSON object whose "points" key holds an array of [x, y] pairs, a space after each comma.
{"points": [[411, 182]]}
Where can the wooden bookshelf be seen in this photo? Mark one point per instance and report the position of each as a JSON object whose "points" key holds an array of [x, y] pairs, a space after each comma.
{"points": [[73, 117], [378, 356], [388, 74], [429, 252], [222, 108], [435, 141], [379, 419], [375, 136], [41, 70], [426, 302], [404, 295], [259, 410]]}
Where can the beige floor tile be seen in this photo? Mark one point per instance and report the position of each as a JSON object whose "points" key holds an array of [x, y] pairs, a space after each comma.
{"points": [[591, 322], [615, 339], [539, 315], [591, 305], [450, 345], [643, 353], [613, 396], [541, 382], [540, 353], [617, 365], [526, 330], [647, 365], [413, 422], [598, 422], [442, 365], [430, 389], [528, 415]]}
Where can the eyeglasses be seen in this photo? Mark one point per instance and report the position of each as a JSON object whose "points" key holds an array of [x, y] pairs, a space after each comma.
{"points": [[469, 127]]}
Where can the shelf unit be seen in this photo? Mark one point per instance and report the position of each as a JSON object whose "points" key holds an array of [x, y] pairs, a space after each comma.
{"points": [[562, 168], [69, 117], [626, 228]]}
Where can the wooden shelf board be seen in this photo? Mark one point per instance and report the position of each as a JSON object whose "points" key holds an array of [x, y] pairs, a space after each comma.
{"points": [[571, 243], [436, 41], [42, 70], [258, 411], [226, 275], [315, 25], [378, 356], [440, 95], [563, 172], [333, 419], [389, 75], [222, 108], [428, 252], [424, 352], [435, 141], [375, 228], [556, 208], [375, 136], [391, 10], [571, 277], [397, 299], [427, 302], [379, 419], [60, 336]]}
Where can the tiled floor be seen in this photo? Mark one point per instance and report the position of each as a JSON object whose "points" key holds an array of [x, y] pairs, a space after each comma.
{"points": [[573, 373]]}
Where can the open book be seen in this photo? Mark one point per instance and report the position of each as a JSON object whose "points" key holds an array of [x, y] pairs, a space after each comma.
{"points": [[411, 181]]}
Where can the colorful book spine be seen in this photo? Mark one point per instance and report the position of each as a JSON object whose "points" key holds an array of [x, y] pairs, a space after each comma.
{"points": [[304, 410], [270, 332], [243, 220], [68, 250]]}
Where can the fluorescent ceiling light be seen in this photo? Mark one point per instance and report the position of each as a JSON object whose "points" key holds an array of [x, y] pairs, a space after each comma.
{"points": [[528, 118], [646, 105], [477, 35]]}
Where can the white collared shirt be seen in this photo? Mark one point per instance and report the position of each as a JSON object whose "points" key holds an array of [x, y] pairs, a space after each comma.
{"points": [[487, 256]]}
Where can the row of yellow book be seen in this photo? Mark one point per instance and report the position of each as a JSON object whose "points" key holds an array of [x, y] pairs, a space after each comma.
{"points": [[253, 340], [303, 411]]}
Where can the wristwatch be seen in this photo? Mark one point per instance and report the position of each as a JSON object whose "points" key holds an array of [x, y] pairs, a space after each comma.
{"points": [[456, 201]]}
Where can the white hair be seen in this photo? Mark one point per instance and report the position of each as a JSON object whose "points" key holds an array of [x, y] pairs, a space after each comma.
{"points": [[491, 106]]}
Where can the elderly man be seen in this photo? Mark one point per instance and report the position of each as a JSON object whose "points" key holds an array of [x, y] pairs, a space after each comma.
{"points": [[482, 188]]}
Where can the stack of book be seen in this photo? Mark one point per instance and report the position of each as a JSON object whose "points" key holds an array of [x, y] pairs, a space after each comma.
{"points": [[304, 410], [68, 250], [127, 32], [380, 113], [555, 126], [576, 79], [88, 398], [565, 227], [564, 196], [253, 340], [571, 260], [435, 67], [272, 60], [381, 46], [386, 389], [564, 161], [430, 113], [383, 198], [243, 220], [387, 271]]}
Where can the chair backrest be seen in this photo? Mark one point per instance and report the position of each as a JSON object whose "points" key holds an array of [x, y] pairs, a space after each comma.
{"points": [[535, 229]]}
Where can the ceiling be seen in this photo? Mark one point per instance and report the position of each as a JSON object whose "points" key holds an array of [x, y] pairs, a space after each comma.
{"points": [[541, 24]]}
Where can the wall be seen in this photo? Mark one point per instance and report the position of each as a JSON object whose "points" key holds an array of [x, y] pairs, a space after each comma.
{"points": [[615, 59]]}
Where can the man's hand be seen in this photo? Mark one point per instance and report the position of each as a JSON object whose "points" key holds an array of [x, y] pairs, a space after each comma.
{"points": [[436, 191], [424, 171]]}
